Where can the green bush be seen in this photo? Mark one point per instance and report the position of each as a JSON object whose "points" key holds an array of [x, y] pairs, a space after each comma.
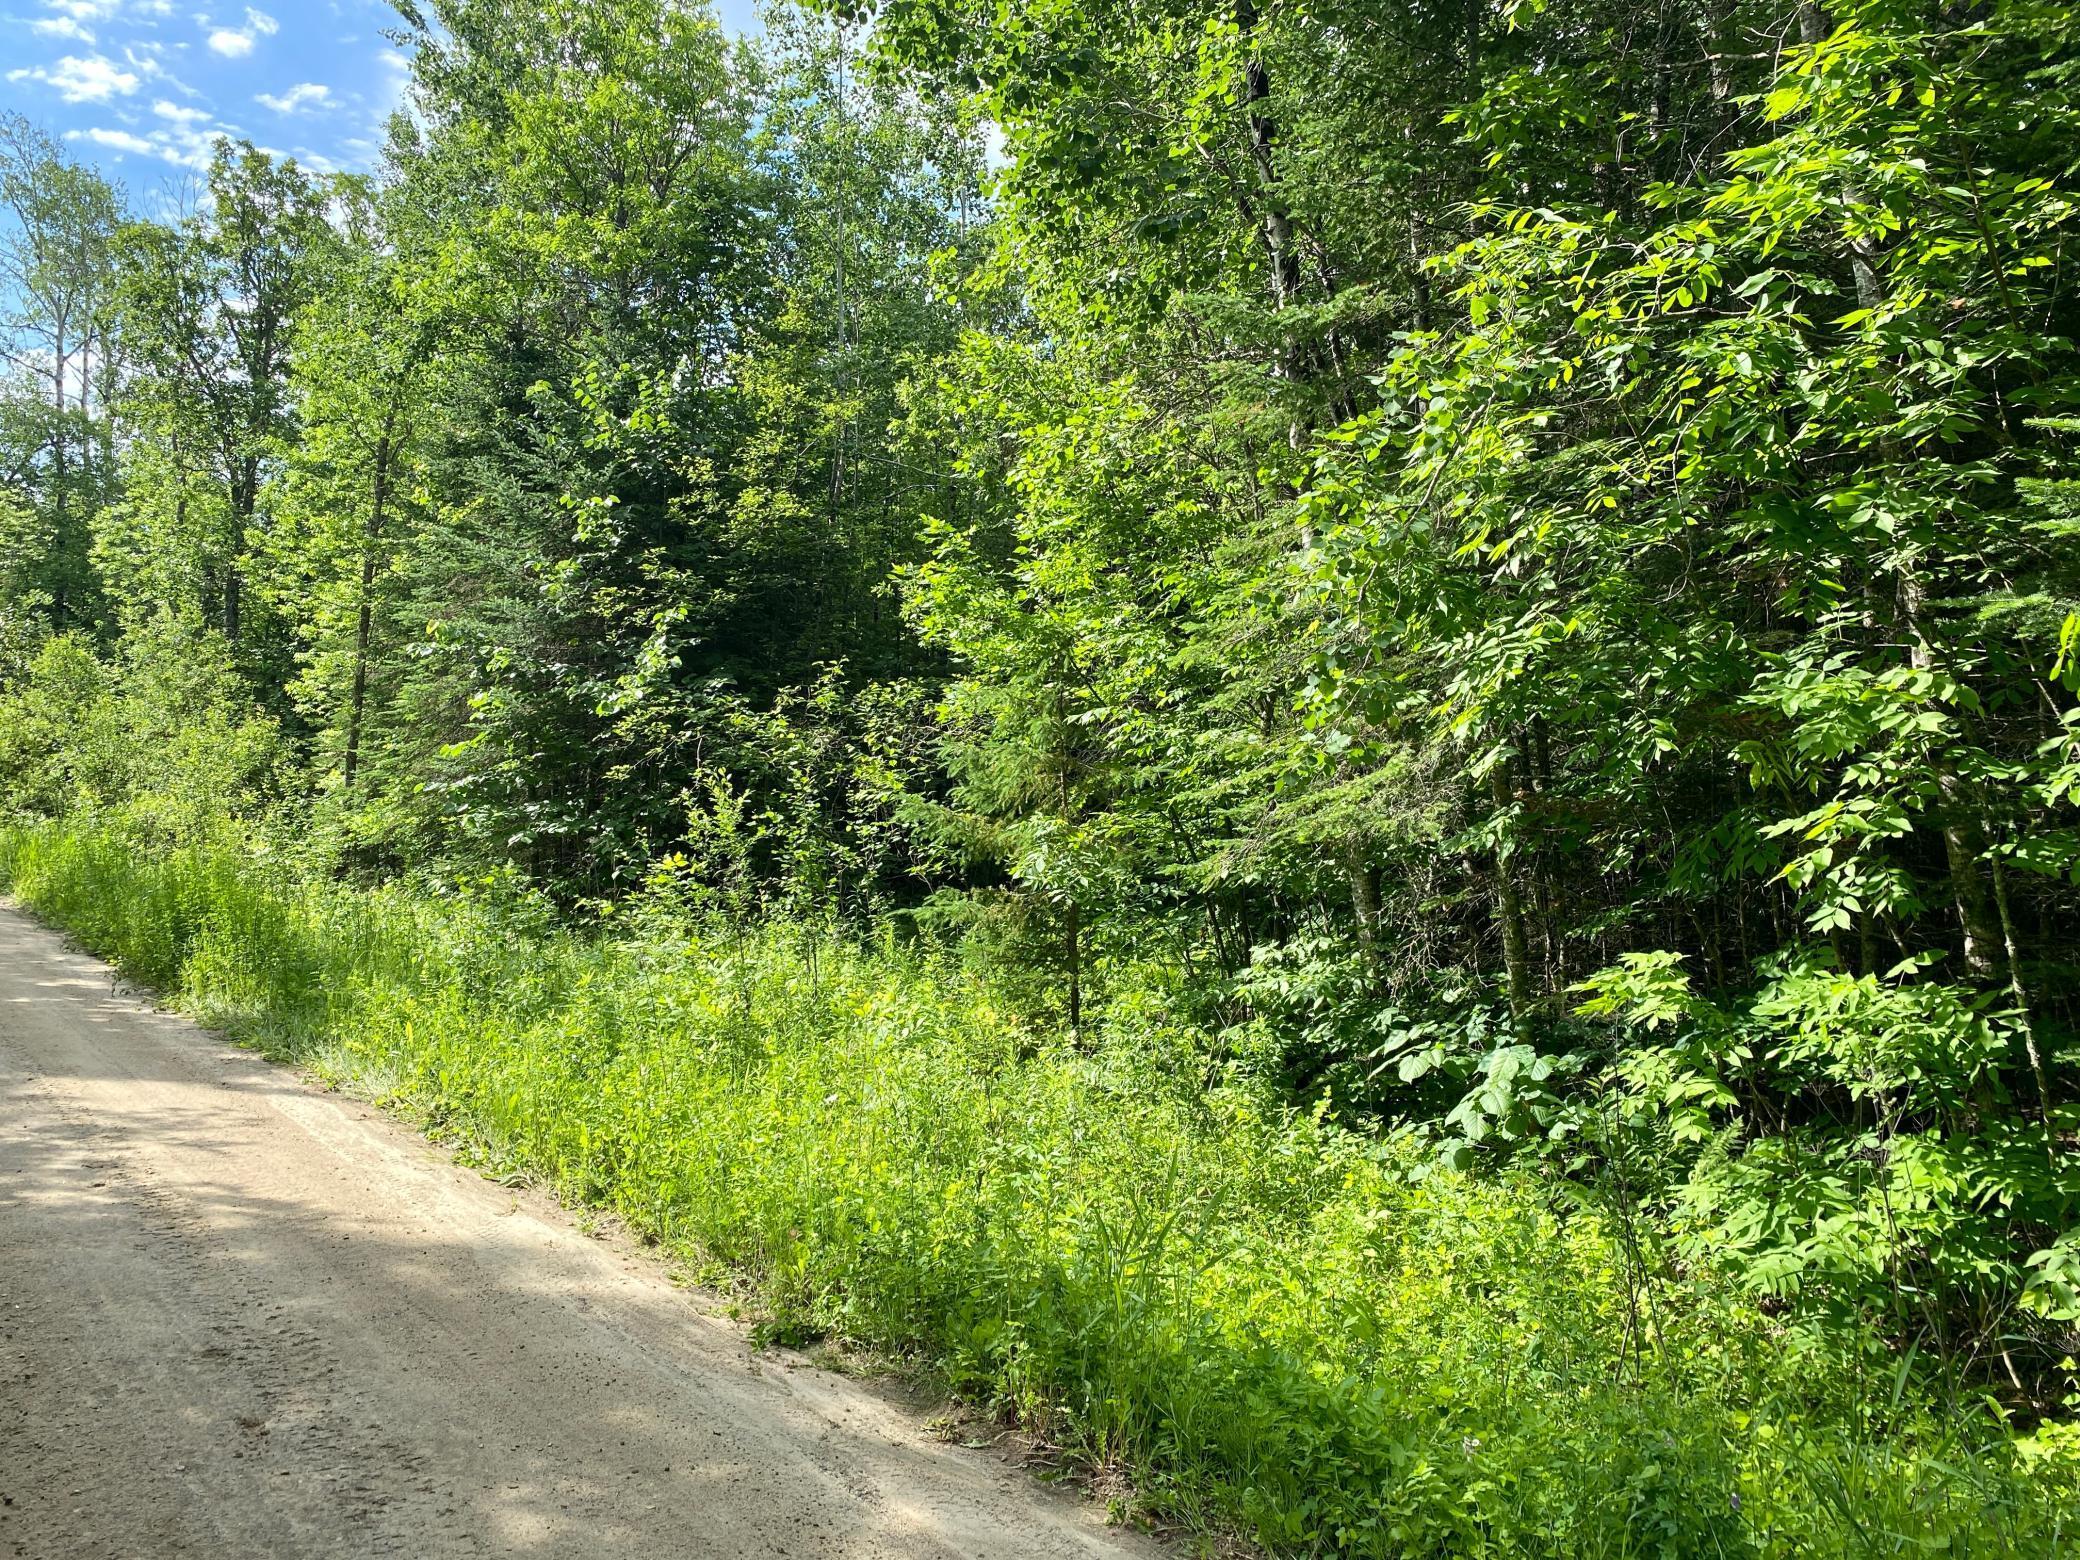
{"points": [[158, 741], [1272, 1321]]}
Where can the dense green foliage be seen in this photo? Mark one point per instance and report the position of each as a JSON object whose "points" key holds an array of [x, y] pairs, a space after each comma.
{"points": [[1467, 614], [1263, 1307]]}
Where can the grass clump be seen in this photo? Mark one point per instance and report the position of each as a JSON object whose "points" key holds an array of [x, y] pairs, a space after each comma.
{"points": [[1274, 1322]]}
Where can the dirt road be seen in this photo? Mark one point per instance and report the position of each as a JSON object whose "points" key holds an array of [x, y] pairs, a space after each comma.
{"points": [[243, 1317]]}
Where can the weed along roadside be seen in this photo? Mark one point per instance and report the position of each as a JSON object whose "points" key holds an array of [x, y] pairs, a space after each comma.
{"points": [[1263, 1317]]}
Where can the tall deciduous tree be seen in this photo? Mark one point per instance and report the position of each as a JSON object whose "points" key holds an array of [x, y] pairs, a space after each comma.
{"points": [[208, 310], [58, 222]]}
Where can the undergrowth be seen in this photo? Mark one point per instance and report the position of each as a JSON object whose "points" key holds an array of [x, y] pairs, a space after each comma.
{"points": [[1276, 1324]]}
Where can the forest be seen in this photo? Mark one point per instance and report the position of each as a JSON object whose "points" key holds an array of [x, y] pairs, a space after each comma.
{"points": [[1332, 746]]}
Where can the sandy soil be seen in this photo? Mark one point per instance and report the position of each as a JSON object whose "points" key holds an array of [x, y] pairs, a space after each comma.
{"points": [[240, 1316]]}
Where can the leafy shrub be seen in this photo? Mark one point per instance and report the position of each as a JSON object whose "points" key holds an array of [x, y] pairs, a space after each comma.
{"points": [[1840, 1151], [164, 744]]}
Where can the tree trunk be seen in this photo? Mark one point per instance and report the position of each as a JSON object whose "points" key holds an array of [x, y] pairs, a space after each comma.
{"points": [[1073, 946], [359, 698], [1516, 947], [1364, 879], [2020, 991], [1276, 223], [58, 442], [245, 498], [1962, 842], [1535, 769], [365, 619]]}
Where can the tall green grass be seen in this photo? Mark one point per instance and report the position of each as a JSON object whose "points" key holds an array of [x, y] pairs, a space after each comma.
{"points": [[1267, 1319]]}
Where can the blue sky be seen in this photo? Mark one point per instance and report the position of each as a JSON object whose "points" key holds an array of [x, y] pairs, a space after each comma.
{"points": [[141, 88]]}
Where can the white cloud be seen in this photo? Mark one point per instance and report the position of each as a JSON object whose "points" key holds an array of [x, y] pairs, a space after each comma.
{"points": [[306, 94], [61, 27], [144, 59], [115, 140], [82, 78], [235, 43], [184, 144], [76, 19], [179, 115], [187, 148]]}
